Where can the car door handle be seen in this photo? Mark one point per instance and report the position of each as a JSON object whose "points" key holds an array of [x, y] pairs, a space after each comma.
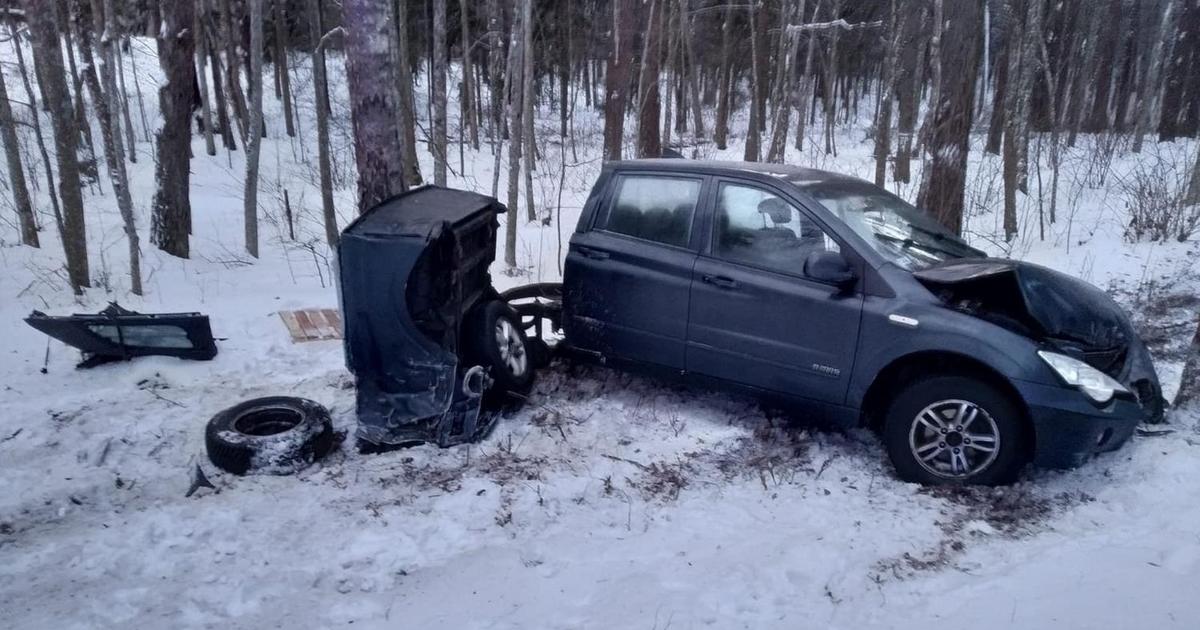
{"points": [[720, 281], [594, 254]]}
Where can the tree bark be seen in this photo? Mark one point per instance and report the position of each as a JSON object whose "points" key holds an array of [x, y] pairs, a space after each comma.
{"points": [[321, 97], [515, 144], [470, 115], [226, 125], [527, 104], [210, 145], [949, 138], [373, 103], [686, 37], [721, 133], [281, 66], [616, 78], [1151, 85], [753, 132], [437, 144], [883, 122], [785, 96], [254, 143], [234, 81], [107, 105], [16, 170], [37, 129], [650, 107], [407, 110], [40, 16], [1189, 384]]}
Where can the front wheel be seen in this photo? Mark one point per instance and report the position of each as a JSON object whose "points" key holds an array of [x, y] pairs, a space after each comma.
{"points": [[497, 342], [955, 430]]}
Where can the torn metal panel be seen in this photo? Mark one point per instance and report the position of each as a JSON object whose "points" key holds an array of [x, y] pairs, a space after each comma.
{"points": [[409, 271], [119, 334]]}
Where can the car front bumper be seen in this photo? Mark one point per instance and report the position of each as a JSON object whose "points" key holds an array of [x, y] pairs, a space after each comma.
{"points": [[1069, 428]]}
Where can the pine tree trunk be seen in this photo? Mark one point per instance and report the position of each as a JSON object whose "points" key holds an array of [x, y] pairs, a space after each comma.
{"points": [[281, 66], [321, 97], [40, 16], [650, 107], [254, 143], [949, 136], [107, 105], [617, 76], [378, 151], [16, 170]]}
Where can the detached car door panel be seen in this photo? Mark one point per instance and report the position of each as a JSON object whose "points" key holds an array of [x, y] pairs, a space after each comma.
{"points": [[627, 280], [755, 319]]}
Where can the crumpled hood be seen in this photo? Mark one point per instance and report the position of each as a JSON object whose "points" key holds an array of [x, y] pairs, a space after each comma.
{"points": [[1066, 313], [1053, 305]]}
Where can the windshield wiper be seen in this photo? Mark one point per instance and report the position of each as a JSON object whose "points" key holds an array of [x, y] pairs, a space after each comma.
{"points": [[908, 243]]}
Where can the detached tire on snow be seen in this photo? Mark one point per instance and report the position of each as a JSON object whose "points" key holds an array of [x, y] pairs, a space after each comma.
{"points": [[277, 435], [496, 341]]}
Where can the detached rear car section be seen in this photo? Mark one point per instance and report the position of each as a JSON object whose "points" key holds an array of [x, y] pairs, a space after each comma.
{"points": [[430, 342]]}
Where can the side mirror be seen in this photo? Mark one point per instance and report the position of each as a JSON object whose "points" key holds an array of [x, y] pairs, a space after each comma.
{"points": [[830, 268]]}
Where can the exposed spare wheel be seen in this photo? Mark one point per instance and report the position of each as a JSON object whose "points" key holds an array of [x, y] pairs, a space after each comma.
{"points": [[276, 435]]}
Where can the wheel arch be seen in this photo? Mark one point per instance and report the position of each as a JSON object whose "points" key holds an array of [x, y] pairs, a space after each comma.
{"points": [[911, 367]]}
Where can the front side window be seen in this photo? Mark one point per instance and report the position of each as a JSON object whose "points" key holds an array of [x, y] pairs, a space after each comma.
{"points": [[759, 228], [654, 208]]}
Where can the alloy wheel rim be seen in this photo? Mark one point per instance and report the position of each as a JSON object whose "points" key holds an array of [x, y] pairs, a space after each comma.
{"points": [[511, 346], [954, 439]]}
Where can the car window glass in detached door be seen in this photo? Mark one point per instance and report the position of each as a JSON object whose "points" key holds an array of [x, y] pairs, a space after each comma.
{"points": [[627, 279], [755, 318]]}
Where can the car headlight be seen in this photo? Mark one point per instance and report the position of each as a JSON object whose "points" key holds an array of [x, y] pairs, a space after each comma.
{"points": [[1098, 386]]}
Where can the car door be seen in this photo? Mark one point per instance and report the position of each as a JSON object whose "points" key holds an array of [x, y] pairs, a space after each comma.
{"points": [[627, 278], [755, 317]]}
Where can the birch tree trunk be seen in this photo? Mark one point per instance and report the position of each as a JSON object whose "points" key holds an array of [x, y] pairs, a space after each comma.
{"points": [[437, 144], [16, 170], [47, 51], [373, 103], [321, 96], [254, 143], [107, 106]]}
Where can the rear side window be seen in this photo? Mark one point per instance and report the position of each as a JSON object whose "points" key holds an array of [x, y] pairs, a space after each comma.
{"points": [[654, 208]]}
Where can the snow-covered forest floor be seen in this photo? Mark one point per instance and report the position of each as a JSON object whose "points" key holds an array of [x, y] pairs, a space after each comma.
{"points": [[611, 501]]}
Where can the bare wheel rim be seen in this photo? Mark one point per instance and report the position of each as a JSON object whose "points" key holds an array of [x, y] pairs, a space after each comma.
{"points": [[954, 439], [511, 346]]}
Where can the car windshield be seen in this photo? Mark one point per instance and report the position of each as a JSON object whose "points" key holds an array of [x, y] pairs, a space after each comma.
{"points": [[900, 232]]}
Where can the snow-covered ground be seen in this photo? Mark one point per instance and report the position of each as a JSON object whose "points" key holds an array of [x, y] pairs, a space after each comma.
{"points": [[611, 501]]}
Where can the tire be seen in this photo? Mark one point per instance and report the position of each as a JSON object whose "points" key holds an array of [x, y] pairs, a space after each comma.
{"points": [[923, 439], [496, 341], [277, 435]]}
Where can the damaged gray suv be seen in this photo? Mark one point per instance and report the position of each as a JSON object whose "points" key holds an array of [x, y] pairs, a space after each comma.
{"points": [[832, 292]]}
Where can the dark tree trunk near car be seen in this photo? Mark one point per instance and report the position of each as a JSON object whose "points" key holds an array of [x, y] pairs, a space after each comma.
{"points": [[171, 222], [949, 139]]}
